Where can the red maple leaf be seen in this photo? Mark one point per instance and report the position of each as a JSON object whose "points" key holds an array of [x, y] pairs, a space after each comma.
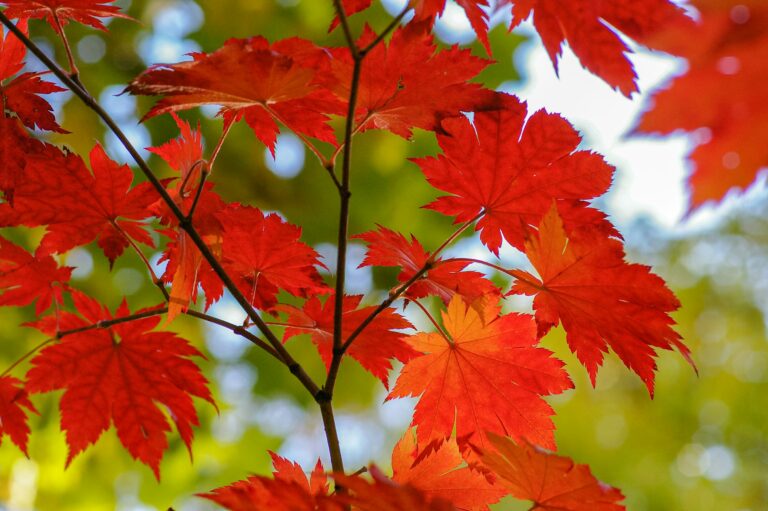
{"points": [[121, 376], [16, 146], [510, 170], [716, 98], [552, 482], [78, 206], [374, 348], [476, 11], [443, 279], [383, 494], [186, 267], [350, 7], [59, 12], [592, 31], [601, 300], [288, 89], [428, 10], [25, 278], [288, 490], [263, 254], [438, 472], [487, 375], [13, 419], [20, 95], [409, 84]]}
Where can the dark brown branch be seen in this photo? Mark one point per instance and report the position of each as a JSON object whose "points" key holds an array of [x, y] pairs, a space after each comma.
{"points": [[341, 255]]}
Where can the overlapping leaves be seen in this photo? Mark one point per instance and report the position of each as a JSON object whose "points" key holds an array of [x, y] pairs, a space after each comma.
{"points": [[517, 178]]}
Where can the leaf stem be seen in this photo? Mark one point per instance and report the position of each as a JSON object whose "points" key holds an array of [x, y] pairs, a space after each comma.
{"points": [[27, 355], [455, 235], [204, 173], [219, 145], [434, 322], [73, 71], [392, 25], [478, 261], [325, 163], [295, 368], [157, 281]]}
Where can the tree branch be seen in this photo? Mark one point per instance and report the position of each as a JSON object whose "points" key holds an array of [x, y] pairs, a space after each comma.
{"points": [[184, 222], [326, 403], [344, 21], [239, 330]]}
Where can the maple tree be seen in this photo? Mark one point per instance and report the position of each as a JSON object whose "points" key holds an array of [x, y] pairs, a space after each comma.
{"points": [[482, 429]]}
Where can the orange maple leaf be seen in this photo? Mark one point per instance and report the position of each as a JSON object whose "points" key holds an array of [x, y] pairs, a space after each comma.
{"points": [[552, 482], [439, 471], [485, 374], [600, 299]]}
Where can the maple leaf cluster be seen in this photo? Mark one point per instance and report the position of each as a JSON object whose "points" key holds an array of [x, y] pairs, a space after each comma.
{"points": [[482, 428]]}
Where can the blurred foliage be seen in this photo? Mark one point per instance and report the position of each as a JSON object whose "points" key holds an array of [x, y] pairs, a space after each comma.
{"points": [[669, 453]]}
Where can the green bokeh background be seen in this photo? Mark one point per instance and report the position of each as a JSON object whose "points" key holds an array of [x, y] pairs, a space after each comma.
{"points": [[662, 453]]}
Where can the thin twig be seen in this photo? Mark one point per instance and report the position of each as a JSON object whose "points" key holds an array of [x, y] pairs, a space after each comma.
{"points": [[73, 71], [295, 368], [394, 295], [478, 261], [397, 293], [237, 329], [344, 21], [106, 323], [204, 173], [331, 435], [432, 320], [27, 355], [157, 281], [324, 162], [392, 25], [454, 236]]}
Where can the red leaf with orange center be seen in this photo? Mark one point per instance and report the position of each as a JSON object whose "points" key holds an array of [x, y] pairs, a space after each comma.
{"points": [[601, 300]]}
